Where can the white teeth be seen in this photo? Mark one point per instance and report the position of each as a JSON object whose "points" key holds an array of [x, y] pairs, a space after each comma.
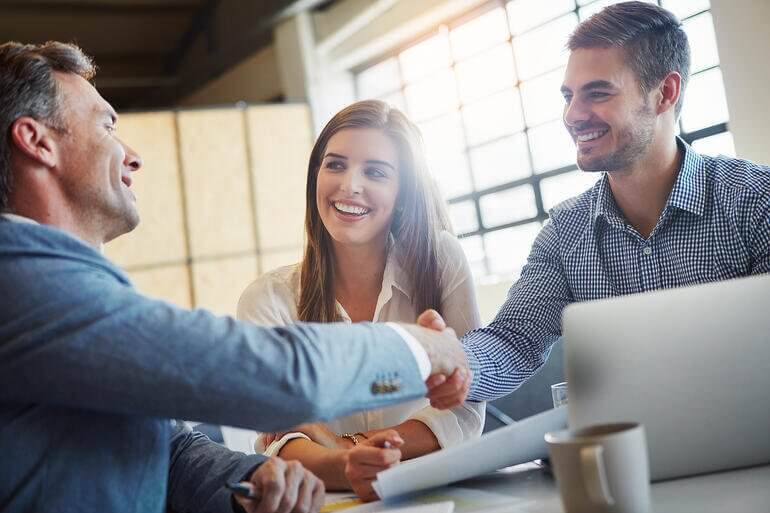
{"points": [[350, 209], [590, 136]]}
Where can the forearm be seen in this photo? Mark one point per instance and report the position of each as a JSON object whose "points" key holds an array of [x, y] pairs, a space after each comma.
{"points": [[418, 438], [327, 464], [199, 469]]}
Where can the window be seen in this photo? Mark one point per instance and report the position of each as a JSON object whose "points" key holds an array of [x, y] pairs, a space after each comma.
{"points": [[484, 90]]}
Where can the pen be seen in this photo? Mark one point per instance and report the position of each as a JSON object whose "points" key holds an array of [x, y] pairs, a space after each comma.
{"points": [[241, 489]]}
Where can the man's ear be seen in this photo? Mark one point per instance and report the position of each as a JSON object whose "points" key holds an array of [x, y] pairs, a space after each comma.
{"points": [[35, 140], [669, 91]]}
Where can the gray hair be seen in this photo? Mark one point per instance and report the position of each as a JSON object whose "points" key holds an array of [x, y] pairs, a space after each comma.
{"points": [[652, 38], [28, 88]]}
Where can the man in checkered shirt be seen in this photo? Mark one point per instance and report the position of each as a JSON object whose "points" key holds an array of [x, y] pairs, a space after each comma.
{"points": [[661, 216]]}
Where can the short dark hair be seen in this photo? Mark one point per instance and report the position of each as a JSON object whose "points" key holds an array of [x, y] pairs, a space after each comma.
{"points": [[651, 37], [28, 88]]}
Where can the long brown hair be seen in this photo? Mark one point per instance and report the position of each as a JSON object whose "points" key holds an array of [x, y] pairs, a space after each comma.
{"points": [[418, 218]]}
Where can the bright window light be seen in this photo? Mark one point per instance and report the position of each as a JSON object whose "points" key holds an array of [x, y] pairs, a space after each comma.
{"points": [[556, 189], [478, 34], [704, 101], [544, 48], [463, 216], [426, 57], [507, 250], [552, 147], [488, 72], [703, 42], [501, 161], [494, 116], [508, 206], [528, 14]]}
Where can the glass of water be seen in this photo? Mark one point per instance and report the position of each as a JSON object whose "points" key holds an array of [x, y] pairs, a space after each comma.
{"points": [[559, 394]]}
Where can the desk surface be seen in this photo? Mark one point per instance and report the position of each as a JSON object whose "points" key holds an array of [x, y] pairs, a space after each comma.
{"points": [[740, 491]]}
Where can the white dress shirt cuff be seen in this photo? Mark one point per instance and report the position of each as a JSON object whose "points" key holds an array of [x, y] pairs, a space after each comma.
{"points": [[420, 356]]}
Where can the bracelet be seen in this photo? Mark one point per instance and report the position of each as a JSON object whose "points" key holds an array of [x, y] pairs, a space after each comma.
{"points": [[353, 437]]}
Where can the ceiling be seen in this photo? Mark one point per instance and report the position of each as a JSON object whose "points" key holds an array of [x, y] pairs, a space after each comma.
{"points": [[150, 53]]}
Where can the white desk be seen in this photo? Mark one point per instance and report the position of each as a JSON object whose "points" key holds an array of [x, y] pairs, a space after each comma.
{"points": [[739, 491]]}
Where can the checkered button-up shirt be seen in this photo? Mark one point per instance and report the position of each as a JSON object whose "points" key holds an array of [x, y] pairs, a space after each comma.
{"points": [[715, 226]]}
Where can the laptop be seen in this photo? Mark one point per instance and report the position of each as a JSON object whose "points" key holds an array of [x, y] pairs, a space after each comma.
{"points": [[691, 364]]}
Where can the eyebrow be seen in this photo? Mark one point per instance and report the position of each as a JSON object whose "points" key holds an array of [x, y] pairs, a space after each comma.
{"points": [[370, 161], [594, 84]]}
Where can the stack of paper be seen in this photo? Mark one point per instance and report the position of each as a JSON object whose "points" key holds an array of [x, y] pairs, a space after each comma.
{"points": [[511, 445]]}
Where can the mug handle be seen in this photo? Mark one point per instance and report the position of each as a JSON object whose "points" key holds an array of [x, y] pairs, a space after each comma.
{"points": [[594, 475]]}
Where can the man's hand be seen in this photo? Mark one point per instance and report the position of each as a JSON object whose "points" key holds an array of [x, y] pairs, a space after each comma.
{"points": [[444, 392], [283, 487], [365, 460]]}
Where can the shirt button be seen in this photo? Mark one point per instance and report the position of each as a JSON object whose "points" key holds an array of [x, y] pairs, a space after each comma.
{"points": [[647, 250]]}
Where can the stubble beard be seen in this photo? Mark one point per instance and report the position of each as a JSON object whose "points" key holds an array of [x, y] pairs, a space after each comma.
{"points": [[634, 139]]}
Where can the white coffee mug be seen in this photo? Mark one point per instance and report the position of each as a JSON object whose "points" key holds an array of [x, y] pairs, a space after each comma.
{"points": [[602, 468]]}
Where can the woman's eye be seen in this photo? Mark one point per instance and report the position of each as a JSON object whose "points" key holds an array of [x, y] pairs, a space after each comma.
{"points": [[375, 173], [335, 165]]}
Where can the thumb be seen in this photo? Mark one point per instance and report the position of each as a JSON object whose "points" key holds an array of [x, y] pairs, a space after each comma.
{"points": [[431, 319], [390, 436]]}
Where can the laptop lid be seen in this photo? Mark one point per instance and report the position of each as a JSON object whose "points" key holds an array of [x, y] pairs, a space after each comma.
{"points": [[691, 364]]}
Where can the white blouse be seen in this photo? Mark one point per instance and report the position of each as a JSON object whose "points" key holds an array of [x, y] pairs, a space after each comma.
{"points": [[272, 300]]}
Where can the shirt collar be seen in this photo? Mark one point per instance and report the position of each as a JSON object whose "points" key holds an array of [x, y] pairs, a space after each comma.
{"points": [[393, 276], [17, 218], [688, 193]]}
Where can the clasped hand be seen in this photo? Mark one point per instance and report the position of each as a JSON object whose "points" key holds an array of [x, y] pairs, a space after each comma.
{"points": [[450, 377]]}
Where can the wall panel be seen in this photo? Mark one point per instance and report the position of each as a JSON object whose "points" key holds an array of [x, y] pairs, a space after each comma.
{"points": [[160, 236], [216, 183]]}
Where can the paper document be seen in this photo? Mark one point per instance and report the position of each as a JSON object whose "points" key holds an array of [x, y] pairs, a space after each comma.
{"points": [[511, 445]]}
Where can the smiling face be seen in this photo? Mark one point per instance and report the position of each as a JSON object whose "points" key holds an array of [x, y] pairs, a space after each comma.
{"points": [[606, 113], [95, 165], [357, 186]]}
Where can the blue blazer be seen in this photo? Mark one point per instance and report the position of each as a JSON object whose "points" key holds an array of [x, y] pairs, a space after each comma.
{"points": [[91, 372]]}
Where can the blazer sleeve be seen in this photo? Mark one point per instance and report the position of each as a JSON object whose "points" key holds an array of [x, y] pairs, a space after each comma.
{"points": [[77, 336], [199, 469]]}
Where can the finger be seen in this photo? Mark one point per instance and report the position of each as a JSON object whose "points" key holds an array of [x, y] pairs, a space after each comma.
{"points": [[435, 380], [453, 384], [293, 477], [374, 456], [305, 494], [249, 505], [270, 484], [451, 393], [378, 439], [431, 319], [319, 494]]}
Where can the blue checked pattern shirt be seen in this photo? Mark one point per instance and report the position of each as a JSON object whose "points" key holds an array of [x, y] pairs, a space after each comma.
{"points": [[715, 226]]}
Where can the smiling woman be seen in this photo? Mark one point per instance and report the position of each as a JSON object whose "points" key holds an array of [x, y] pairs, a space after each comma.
{"points": [[378, 249]]}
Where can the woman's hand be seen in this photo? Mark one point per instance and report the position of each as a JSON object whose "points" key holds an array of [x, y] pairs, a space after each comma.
{"points": [[317, 432], [369, 457]]}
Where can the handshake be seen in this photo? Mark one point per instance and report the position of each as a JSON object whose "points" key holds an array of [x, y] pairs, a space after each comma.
{"points": [[450, 376]]}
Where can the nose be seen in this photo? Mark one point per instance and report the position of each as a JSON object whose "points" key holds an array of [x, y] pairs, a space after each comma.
{"points": [[132, 159], [352, 182], [575, 113]]}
